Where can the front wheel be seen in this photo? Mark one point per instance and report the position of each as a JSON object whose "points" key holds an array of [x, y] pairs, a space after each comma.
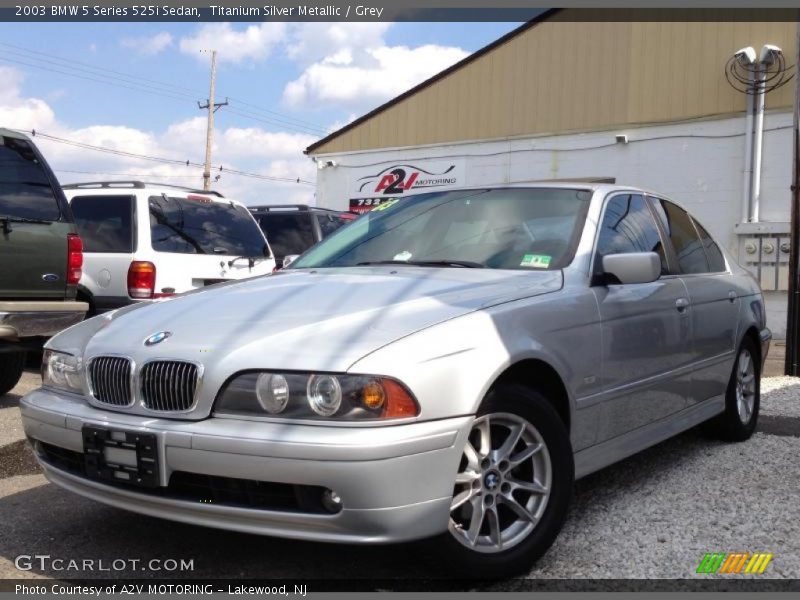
{"points": [[512, 489], [742, 398]]}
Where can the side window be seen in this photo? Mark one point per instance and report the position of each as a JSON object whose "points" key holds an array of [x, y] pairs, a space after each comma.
{"points": [[104, 222], [628, 226], [681, 231], [716, 261], [328, 223], [25, 190]]}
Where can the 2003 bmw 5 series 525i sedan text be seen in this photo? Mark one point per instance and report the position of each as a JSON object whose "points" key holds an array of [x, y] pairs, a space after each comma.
{"points": [[444, 367]]}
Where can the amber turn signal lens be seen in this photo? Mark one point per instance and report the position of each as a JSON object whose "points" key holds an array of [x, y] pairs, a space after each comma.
{"points": [[399, 402], [373, 395]]}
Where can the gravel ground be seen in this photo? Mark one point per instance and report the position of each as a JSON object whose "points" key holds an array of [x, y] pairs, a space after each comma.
{"points": [[10, 425], [651, 516], [780, 396]]}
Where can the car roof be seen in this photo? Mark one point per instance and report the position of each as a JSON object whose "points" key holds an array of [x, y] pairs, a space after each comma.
{"points": [[13, 134], [135, 185], [105, 188]]}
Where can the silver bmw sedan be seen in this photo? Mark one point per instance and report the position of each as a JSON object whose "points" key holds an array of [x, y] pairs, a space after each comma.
{"points": [[443, 368]]}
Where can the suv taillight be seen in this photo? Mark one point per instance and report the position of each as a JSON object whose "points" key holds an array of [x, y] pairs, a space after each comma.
{"points": [[74, 258], [141, 279]]}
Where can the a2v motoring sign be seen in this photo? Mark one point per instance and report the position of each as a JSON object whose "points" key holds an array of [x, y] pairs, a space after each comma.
{"points": [[370, 186]]}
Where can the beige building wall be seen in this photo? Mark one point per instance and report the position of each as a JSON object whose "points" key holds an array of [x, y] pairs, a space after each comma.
{"points": [[565, 75]]}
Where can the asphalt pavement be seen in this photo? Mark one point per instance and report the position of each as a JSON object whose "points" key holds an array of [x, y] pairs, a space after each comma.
{"points": [[654, 515]]}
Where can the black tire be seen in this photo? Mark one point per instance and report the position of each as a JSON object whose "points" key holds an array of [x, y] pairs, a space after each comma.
{"points": [[729, 425], [534, 408], [11, 366]]}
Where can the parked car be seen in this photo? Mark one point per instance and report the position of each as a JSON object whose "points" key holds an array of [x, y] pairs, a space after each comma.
{"points": [[144, 241], [445, 367], [40, 256], [293, 228]]}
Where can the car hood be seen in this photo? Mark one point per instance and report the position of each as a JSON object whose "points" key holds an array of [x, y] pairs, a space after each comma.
{"points": [[310, 320]]}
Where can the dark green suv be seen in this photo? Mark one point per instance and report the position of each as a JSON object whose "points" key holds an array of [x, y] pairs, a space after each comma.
{"points": [[40, 256]]}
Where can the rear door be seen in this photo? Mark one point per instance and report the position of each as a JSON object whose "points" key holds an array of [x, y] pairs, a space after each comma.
{"points": [[34, 223], [107, 227], [714, 304], [198, 241]]}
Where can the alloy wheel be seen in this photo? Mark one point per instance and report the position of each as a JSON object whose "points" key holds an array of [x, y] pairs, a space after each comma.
{"points": [[745, 386], [503, 484]]}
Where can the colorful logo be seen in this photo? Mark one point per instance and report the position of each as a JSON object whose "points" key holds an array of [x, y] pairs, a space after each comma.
{"points": [[157, 338], [734, 562], [398, 179]]}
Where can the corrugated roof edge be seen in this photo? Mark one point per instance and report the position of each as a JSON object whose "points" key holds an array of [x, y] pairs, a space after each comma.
{"points": [[440, 75]]}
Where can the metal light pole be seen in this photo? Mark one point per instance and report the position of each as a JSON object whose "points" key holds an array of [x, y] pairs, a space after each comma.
{"points": [[792, 363]]}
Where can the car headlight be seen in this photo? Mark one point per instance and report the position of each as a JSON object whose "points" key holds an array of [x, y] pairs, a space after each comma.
{"points": [[321, 396], [63, 371]]}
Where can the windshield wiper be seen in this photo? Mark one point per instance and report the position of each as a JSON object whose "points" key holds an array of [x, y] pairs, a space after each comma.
{"points": [[7, 220], [251, 260], [425, 263]]}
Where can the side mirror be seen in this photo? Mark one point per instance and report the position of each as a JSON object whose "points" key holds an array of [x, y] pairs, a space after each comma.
{"points": [[636, 267], [290, 258]]}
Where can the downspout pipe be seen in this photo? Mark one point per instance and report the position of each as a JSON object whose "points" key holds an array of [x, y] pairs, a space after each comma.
{"points": [[748, 152], [758, 143]]}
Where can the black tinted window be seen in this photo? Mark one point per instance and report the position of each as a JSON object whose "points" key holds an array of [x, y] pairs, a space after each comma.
{"points": [[628, 226], [328, 223], [104, 222], [716, 261], [681, 231], [200, 226], [288, 233], [25, 190]]}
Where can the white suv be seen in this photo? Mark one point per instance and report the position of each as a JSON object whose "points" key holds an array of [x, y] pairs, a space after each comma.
{"points": [[146, 240]]}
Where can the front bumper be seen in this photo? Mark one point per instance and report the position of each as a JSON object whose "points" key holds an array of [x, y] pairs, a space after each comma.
{"points": [[395, 482], [29, 319]]}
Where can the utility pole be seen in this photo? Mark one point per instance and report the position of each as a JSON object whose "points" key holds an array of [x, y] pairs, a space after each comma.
{"points": [[212, 108], [792, 362]]}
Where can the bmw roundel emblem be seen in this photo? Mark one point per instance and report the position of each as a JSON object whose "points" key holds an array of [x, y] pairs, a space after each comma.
{"points": [[157, 338]]}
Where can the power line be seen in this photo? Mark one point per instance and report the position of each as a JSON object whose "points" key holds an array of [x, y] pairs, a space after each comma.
{"points": [[115, 174], [164, 160], [155, 87]]}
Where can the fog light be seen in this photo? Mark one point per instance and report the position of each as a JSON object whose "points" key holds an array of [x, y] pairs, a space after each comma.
{"points": [[331, 501]]}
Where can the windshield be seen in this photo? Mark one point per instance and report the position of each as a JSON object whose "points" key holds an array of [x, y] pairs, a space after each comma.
{"points": [[288, 233], [513, 228], [25, 190], [189, 226]]}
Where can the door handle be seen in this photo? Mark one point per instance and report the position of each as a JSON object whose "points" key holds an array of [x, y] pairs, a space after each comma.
{"points": [[732, 296], [681, 304]]}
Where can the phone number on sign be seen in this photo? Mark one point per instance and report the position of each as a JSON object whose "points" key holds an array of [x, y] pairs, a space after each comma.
{"points": [[89, 10]]}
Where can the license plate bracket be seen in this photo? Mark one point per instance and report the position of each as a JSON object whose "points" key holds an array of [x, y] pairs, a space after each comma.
{"points": [[108, 455]]}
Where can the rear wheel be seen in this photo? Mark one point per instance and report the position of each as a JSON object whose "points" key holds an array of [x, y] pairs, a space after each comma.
{"points": [[11, 367], [512, 489], [742, 399]]}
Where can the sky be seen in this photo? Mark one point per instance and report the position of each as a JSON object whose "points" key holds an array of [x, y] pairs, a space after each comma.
{"points": [[134, 87]]}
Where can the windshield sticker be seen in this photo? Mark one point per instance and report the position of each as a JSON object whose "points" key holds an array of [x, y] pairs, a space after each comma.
{"points": [[385, 205], [538, 261], [404, 255]]}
